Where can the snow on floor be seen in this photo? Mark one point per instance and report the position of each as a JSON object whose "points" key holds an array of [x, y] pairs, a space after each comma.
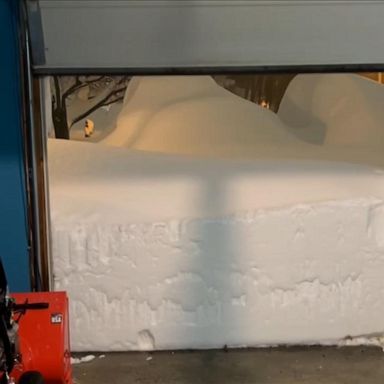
{"points": [[85, 359], [271, 245]]}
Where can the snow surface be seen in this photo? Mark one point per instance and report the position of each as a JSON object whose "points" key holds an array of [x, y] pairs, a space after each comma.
{"points": [[84, 359], [270, 241], [192, 115], [185, 253], [339, 109]]}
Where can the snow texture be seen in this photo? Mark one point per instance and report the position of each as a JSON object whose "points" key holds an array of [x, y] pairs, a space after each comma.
{"points": [[258, 245], [342, 110], [192, 115], [84, 359]]}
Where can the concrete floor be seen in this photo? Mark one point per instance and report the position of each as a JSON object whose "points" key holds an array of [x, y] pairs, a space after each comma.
{"points": [[313, 365]]}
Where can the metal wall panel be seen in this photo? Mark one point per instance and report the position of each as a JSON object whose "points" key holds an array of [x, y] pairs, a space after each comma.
{"points": [[150, 34], [14, 230]]}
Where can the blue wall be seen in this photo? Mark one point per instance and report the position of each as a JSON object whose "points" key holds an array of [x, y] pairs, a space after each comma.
{"points": [[13, 222]]}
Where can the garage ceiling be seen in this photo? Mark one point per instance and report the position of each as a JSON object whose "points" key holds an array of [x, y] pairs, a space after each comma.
{"points": [[158, 36]]}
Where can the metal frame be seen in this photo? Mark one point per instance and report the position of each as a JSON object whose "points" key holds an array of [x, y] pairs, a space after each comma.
{"points": [[39, 68], [35, 158], [196, 71], [45, 219], [36, 34]]}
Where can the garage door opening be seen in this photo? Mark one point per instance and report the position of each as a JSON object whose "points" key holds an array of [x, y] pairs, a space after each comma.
{"points": [[210, 211]]}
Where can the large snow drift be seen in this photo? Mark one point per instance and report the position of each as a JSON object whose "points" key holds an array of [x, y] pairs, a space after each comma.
{"points": [[343, 110], [193, 115], [165, 251]]}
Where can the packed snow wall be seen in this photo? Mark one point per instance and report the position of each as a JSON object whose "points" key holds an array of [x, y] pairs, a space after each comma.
{"points": [[273, 240]]}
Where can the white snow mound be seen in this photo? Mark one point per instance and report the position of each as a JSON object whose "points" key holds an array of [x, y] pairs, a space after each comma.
{"points": [[338, 109], [163, 251], [192, 115], [167, 252]]}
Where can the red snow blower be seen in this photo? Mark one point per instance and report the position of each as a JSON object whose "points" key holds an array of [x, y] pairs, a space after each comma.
{"points": [[34, 337]]}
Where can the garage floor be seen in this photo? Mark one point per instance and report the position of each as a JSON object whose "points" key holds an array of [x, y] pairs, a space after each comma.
{"points": [[277, 366]]}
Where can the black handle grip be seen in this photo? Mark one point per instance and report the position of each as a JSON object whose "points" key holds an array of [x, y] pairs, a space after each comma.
{"points": [[28, 306]]}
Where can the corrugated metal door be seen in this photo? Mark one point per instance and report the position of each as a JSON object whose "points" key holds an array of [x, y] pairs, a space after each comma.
{"points": [[187, 35]]}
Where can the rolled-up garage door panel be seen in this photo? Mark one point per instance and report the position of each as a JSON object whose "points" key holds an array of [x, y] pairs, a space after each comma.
{"points": [[181, 34]]}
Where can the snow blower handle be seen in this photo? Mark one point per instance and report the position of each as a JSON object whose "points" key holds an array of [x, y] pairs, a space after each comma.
{"points": [[21, 309], [27, 306]]}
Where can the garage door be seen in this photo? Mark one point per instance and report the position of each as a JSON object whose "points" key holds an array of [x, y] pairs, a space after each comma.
{"points": [[183, 35]]}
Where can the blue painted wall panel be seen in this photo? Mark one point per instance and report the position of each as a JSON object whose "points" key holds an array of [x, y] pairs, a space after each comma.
{"points": [[13, 222]]}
